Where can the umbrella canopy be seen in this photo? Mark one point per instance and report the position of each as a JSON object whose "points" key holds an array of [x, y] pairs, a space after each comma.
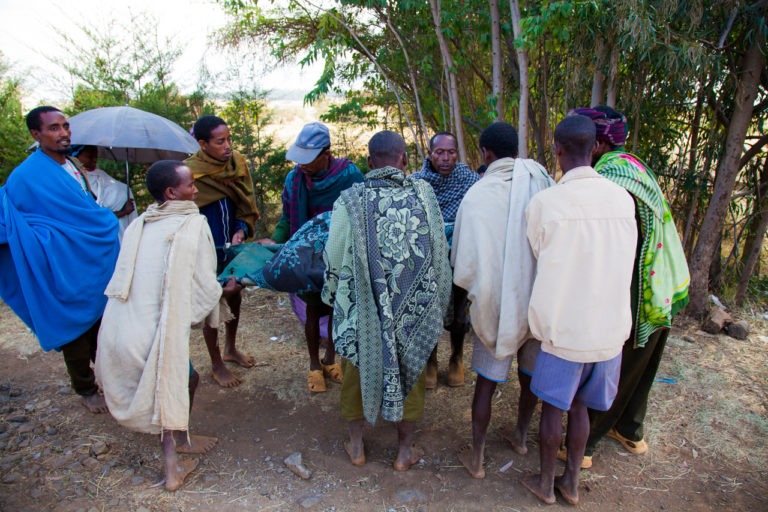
{"points": [[132, 135]]}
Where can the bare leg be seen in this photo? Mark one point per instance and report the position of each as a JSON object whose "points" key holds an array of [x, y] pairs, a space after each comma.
{"points": [[550, 433], [330, 350], [525, 407], [458, 330], [231, 354], [190, 443], [175, 472], [312, 333], [95, 403], [354, 446], [472, 456], [219, 372], [576, 439], [431, 377], [408, 453]]}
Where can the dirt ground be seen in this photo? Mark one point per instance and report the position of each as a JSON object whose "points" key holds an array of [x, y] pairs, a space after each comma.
{"points": [[707, 428]]}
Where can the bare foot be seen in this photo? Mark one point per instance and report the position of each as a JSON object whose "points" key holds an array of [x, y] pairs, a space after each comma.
{"points": [[515, 439], [407, 458], [183, 469], [356, 453], [95, 403], [225, 378], [533, 484], [238, 357], [569, 491], [196, 445], [471, 462]]}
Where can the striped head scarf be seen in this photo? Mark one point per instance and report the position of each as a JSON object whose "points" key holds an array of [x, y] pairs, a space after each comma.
{"points": [[611, 125]]}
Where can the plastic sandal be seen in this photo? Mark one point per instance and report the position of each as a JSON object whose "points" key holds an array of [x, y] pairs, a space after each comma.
{"points": [[636, 447], [333, 372], [316, 381]]}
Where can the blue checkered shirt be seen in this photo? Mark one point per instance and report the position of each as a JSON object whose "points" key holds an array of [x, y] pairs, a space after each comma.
{"points": [[449, 189]]}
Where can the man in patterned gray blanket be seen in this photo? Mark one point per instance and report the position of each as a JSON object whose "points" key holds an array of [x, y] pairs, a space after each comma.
{"points": [[388, 280]]}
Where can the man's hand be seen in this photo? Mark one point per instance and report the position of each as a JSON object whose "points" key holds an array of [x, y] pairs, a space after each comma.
{"points": [[127, 208], [238, 237], [231, 288], [265, 241]]}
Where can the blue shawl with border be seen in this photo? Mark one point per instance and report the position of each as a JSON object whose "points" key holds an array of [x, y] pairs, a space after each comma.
{"points": [[58, 249]]}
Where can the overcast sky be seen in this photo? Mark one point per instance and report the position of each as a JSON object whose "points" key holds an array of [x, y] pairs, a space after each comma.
{"points": [[28, 37]]}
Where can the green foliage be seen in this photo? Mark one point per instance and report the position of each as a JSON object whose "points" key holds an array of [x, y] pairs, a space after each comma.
{"points": [[660, 58], [247, 115], [14, 137], [126, 63]]}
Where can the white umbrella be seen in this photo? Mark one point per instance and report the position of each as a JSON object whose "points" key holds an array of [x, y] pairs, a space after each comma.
{"points": [[131, 135]]}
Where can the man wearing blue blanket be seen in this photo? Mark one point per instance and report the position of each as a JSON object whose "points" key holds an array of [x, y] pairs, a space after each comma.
{"points": [[58, 249]]}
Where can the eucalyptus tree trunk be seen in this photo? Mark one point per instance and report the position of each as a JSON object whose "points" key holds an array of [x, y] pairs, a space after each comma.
{"points": [[756, 229], [522, 62], [728, 169], [498, 82], [450, 70], [598, 77], [612, 82], [420, 141]]}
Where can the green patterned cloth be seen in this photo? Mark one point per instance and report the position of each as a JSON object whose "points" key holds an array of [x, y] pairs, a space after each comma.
{"points": [[388, 279], [662, 272]]}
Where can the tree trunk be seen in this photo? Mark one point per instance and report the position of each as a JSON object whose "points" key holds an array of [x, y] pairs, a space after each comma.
{"points": [[598, 78], [522, 61], [728, 169], [498, 81], [756, 229], [612, 73], [421, 141], [450, 71]]}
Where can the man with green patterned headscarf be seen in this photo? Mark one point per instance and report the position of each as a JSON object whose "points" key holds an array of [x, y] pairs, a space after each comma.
{"points": [[659, 284]]}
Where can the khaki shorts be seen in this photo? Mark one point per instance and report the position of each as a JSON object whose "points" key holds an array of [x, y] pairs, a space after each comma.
{"points": [[497, 370]]}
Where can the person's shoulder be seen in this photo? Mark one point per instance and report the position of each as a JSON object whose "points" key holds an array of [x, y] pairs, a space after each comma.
{"points": [[291, 174], [465, 172], [548, 194], [192, 158], [25, 170], [481, 187], [352, 170]]}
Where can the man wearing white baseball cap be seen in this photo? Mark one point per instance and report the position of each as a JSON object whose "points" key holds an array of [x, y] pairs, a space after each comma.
{"points": [[311, 188]]}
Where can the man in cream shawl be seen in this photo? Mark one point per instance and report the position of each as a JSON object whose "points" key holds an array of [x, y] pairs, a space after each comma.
{"points": [[164, 282], [492, 260]]}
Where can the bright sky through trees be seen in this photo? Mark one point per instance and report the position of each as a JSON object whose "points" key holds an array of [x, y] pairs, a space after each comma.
{"points": [[29, 39]]}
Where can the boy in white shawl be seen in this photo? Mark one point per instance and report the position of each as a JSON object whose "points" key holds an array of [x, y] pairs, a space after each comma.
{"points": [[164, 282], [492, 260]]}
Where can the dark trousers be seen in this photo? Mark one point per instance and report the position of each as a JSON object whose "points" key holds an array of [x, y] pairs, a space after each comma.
{"points": [[78, 355], [638, 371]]}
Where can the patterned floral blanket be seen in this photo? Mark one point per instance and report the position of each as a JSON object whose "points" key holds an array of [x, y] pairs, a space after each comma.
{"points": [[388, 279], [295, 267]]}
